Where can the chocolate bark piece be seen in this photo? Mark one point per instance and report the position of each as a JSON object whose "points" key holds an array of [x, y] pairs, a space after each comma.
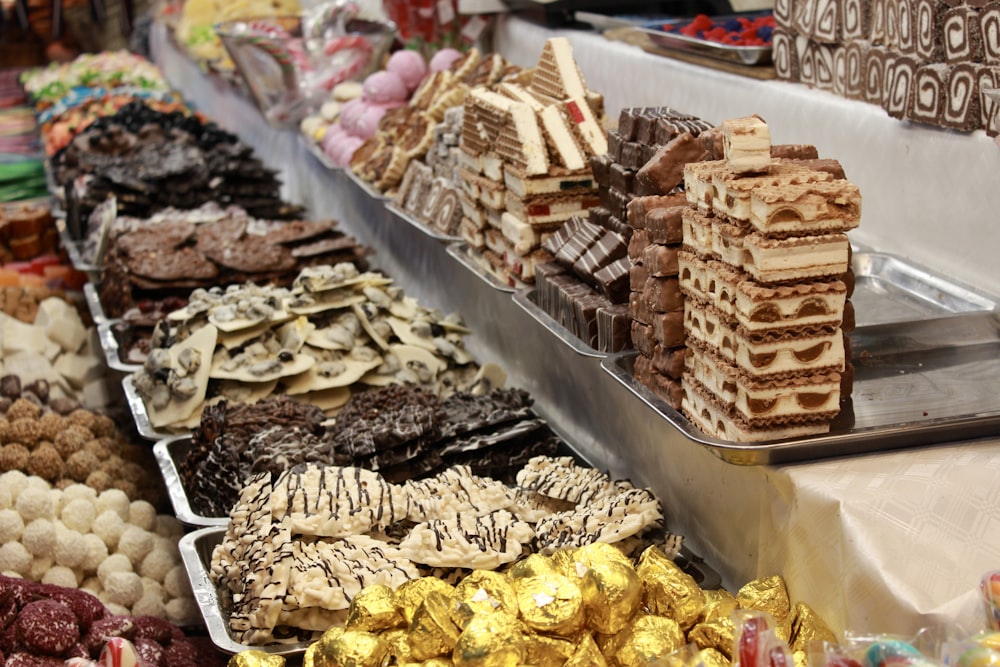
{"points": [[299, 230], [179, 264], [613, 328], [253, 254], [665, 171], [160, 237]]}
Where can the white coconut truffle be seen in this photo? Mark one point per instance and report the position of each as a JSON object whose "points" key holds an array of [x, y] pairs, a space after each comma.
{"points": [[6, 498], [60, 576], [71, 548], [176, 583], [14, 481], [97, 551], [34, 503], [78, 514], [156, 564], [91, 585], [113, 563], [14, 557], [124, 588], [79, 492], [39, 537], [135, 543], [142, 513], [115, 500], [11, 526], [150, 605], [183, 611], [109, 526], [39, 484], [169, 526], [39, 566], [115, 608], [153, 587]]}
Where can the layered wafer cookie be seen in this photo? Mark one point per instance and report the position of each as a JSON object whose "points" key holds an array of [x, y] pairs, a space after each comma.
{"points": [[746, 145]]}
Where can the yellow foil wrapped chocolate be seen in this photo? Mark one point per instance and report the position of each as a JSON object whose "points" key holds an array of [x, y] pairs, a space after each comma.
{"points": [[374, 609], [718, 634], [351, 647], [535, 565], [587, 654], [432, 632], [552, 604], [719, 603], [490, 640], [564, 564], [599, 552], [256, 658], [410, 594], [768, 594], [669, 591], [807, 627], [483, 591], [710, 657], [542, 651], [612, 594], [399, 645], [309, 657], [650, 638]]}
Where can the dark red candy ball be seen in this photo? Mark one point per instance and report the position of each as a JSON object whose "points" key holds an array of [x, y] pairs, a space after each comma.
{"points": [[48, 627], [159, 630], [150, 652], [104, 629], [21, 659], [87, 607]]}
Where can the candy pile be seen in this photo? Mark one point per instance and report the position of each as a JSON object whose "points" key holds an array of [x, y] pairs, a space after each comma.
{"points": [[734, 31], [109, 69], [301, 546], [46, 624], [196, 28], [591, 606], [118, 549]]}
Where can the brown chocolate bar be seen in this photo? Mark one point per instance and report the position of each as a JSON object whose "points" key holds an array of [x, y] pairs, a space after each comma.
{"points": [[662, 295], [665, 225], [613, 328], [660, 260], [642, 338], [613, 280], [665, 170], [639, 207], [668, 389], [637, 245]]}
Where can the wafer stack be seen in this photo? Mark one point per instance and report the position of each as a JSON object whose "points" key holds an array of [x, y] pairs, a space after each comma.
{"points": [[525, 171], [765, 272]]}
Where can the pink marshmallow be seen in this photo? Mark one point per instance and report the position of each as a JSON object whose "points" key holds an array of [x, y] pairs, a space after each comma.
{"points": [[351, 112], [410, 66], [384, 87], [367, 125], [330, 137], [345, 149], [443, 59]]}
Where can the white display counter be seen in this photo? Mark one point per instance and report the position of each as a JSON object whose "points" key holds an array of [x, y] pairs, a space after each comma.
{"points": [[884, 542]]}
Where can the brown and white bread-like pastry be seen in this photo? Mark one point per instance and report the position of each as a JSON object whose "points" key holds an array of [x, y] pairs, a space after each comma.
{"points": [[731, 192], [556, 75], [856, 56], [989, 25], [797, 209], [747, 145]]}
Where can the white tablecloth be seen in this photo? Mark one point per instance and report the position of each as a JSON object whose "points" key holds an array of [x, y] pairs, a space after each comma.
{"points": [[888, 542]]}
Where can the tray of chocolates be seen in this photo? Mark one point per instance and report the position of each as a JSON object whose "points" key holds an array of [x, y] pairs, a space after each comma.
{"points": [[365, 186], [408, 218], [476, 264], [108, 334], [93, 301], [527, 299]]}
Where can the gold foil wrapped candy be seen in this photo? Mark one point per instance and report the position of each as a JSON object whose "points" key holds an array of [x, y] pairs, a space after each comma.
{"points": [[432, 632], [374, 609], [551, 604], [718, 604], [710, 657], [587, 654], [599, 552], [255, 658], [611, 596], [399, 645], [668, 590], [807, 627], [481, 592], [410, 594], [490, 640], [768, 595], [542, 651], [350, 647], [649, 638], [718, 634], [534, 565]]}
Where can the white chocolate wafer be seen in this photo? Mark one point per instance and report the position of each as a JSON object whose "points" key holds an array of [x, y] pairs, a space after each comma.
{"points": [[746, 144]]}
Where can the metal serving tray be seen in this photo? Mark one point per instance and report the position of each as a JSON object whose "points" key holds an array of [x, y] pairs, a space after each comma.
{"points": [[527, 300], [407, 217], [74, 249], [112, 348], [94, 303], [139, 414], [367, 187], [926, 353], [318, 153], [460, 251], [196, 553], [170, 453], [744, 55]]}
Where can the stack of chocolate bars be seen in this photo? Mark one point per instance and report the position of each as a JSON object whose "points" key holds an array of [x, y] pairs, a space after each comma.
{"points": [[766, 276], [525, 151], [429, 190]]}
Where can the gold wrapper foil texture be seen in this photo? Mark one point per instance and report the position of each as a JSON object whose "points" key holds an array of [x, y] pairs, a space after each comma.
{"points": [[719, 603], [374, 609], [552, 604], [668, 590], [490, 640], [563, 562], [768, 594], [432, 632], [711, 657], [542, 651], [482, 592], [256, 658], [399, 645], [649, 638], [410, 594], [719, 635], [612, 594], [587, 654], [599, 552], [309, 657], [534, 565], [352, 647], [807, 627]]}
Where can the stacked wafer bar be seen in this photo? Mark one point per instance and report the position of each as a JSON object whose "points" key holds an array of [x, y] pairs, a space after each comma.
{"points": [[430, 190], [525, 171], [928, 61], [763, 272]]}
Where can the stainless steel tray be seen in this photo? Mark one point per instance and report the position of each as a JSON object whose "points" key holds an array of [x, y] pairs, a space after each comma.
{"points": [[139, 414], [74, 249], [111, 347], [169, 453], [400, 212], [460, 251], [318, 153], [367, 187], [94, 303], [525, 298], [744, 55]]}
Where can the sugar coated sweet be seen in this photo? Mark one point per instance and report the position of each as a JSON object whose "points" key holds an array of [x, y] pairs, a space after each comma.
{"points": [[11, 526], [156, 564], [135, 543], [15, 558], [124, 588], [39, 537], [176, 582], [34, 503], [60, 575], [115, 500], [150, 605], [48, 627], [382, 87], [443, 59], [71, 548], [113, 563], [79, 514], [109, 526], [97, 551], [410, 66]]}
